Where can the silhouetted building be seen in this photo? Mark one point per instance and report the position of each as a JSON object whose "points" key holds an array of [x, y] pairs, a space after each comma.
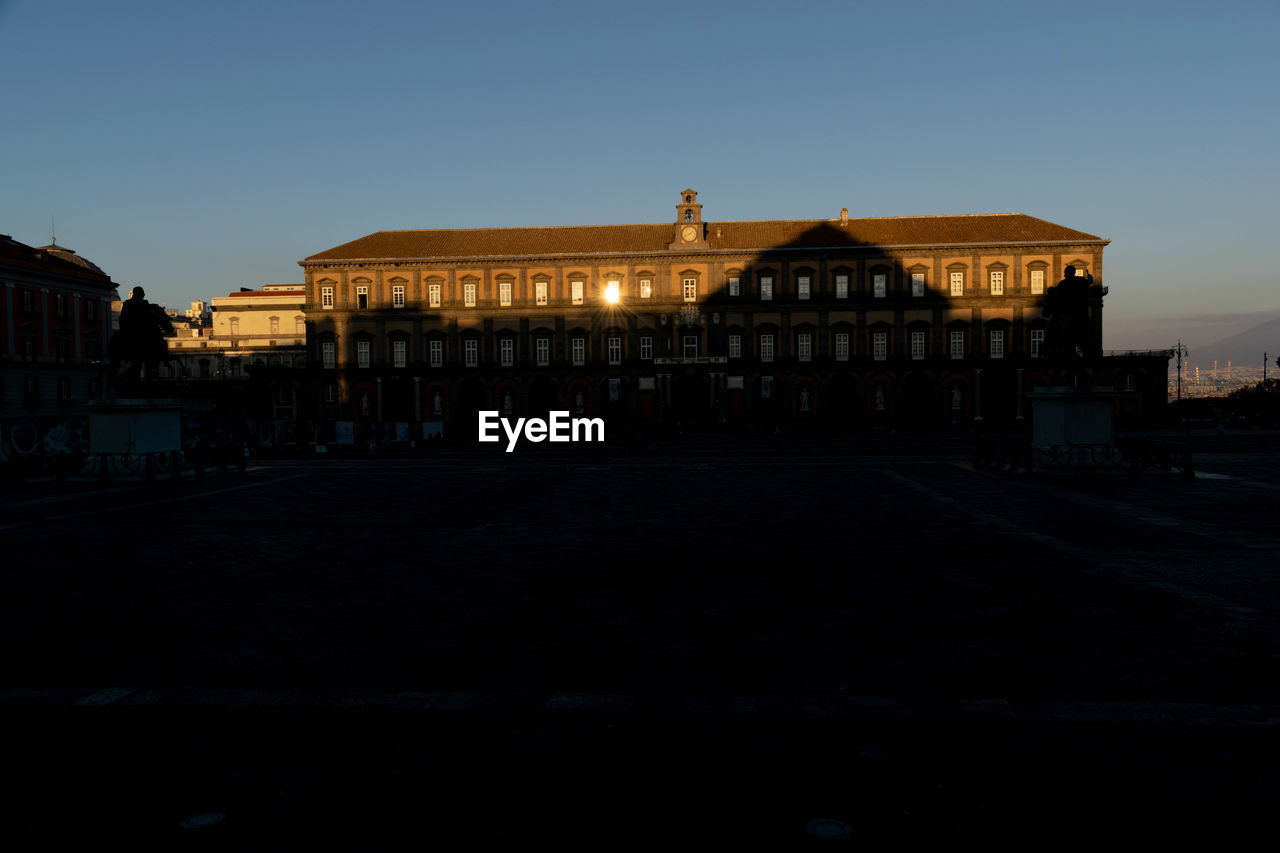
{"points": [[55, 321], [851, 322]]}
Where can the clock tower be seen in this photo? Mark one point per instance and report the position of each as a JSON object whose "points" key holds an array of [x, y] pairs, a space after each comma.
{"points": [[690, 233]]}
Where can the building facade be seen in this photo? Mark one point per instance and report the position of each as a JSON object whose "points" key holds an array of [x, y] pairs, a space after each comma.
{"points": [[55, 321], [251, 348], [847, 322]]}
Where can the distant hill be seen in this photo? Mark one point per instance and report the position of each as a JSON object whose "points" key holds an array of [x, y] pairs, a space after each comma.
{"points": [[1245, 348]]}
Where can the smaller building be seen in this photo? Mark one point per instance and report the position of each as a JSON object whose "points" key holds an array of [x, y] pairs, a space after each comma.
{"points": [[251, 333]]}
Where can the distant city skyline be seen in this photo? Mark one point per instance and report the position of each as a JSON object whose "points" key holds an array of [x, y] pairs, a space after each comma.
{"points": [[195, 150]]}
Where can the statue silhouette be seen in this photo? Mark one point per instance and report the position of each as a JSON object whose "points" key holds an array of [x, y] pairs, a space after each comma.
{"points": [[141, 339], [1070, 333]]}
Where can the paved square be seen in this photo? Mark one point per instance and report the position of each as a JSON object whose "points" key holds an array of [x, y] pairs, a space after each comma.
{"points": [[718, 639]]}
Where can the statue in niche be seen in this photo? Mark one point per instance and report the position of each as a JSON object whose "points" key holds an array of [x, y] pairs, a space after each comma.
{"points": [[141, 339], [579, 403], [880, 398], [1066, 305], [508, 403], [804, 398], [437, 405], [366, 404], [957, 398]]}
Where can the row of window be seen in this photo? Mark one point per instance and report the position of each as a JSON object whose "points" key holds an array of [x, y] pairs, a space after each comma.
{"points": [[28, 349], [688, 289], [689, 348], [299, 325], [29, 304]]}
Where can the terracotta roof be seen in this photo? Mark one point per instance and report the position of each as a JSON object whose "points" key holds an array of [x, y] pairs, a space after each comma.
{"points": [[742, 236], [253, 294]]}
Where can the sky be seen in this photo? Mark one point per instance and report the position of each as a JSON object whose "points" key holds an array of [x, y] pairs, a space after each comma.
{"points": [[196, 149]]}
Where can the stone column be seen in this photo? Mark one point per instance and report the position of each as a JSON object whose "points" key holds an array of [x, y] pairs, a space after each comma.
{"points": [[1019, 392], [977, 395]]}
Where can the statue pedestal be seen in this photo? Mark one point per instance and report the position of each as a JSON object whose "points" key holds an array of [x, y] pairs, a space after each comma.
{"points": [[1073, 430], [135, 439], [135, 426]]}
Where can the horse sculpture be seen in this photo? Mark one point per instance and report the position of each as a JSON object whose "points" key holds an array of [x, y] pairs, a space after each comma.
{"points": [[1070, 332], [141, 339]]}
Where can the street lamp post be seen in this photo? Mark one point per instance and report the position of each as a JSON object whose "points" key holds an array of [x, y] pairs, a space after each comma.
{"points": [[1181, 351]]}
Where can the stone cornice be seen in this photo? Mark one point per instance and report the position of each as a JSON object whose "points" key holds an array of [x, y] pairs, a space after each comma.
{"points": [[659, 255]]}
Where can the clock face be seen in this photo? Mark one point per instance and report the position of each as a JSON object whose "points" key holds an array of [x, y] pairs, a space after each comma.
{"points": [[689, 233]]}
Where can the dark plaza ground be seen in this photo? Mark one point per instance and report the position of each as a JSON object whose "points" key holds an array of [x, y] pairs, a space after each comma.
{"points": [[715, 642]]}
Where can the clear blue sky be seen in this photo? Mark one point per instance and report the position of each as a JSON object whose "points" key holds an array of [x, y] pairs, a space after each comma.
{"points": [[197, 148]]}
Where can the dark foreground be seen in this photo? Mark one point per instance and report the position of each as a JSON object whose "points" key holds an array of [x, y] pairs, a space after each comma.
{"points": [[700, 647]]}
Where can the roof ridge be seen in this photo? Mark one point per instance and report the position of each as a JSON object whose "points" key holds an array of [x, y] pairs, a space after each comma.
{"points": [[705, 222]]}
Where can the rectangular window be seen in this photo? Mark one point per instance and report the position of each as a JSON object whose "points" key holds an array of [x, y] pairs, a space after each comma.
{"points": [[804, 346], [362, 353], [842, 286], [504, 293], [91, 307], [615, 350], [331, 393], [802, 287], [957, 345], [436, 352], [433, 295], [362, 296], [690, 344], [28, 301], [957, 284], [275, 325], [917, 284], [997, 343], [469, 294], [1037, 341], [399, 352], [879, 285], [690, 290], [471, 352], [766, 347], [879, 345], [576, 288], [397, 296], [507, 351], [766, 288], [326, 297], [842, 346], [646, 288], [542, 350], [997, 282], [735, 285], [299, 326], [540, 293], [329, 354], [646, 347], [60, 304], [578, 346], [917, 345], [735, 346], [1037, 282]]}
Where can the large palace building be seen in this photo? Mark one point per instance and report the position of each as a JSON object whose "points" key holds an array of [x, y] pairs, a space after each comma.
{"points": [[846, 322]]}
